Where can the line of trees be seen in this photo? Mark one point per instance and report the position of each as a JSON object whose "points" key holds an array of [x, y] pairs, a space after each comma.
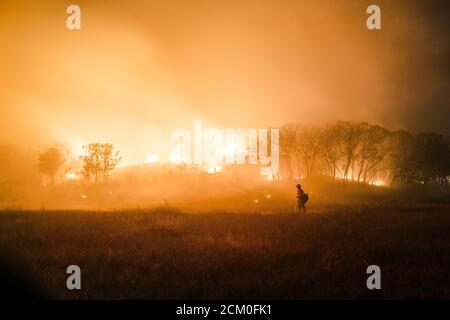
{"points": [[364, 153], [351, 151], [99, 159]]}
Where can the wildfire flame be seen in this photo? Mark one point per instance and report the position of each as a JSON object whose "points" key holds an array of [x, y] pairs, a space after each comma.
{"points": [[71, 175], [152, 158]]}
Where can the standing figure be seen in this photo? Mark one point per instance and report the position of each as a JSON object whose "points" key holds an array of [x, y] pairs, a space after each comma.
{"points": [[302, 198]]}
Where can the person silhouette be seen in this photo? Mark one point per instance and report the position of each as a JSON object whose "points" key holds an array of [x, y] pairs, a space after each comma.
{"points": [[300, 199]]}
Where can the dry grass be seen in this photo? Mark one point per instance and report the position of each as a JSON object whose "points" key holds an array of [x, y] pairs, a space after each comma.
{"points": [[161, 253]]}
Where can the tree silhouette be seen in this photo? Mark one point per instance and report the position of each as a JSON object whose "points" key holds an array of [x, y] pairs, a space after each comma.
{"points": [[50, 162], [329, 150], [367, 153], [99, 160], [287, 145], [372, 149], [307, 147]]}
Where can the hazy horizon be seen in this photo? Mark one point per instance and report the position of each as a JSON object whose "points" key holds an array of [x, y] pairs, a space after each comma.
{"points": [[136, 72]]}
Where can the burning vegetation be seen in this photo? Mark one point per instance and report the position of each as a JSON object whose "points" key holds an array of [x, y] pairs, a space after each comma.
{"points": [[346, 153]]}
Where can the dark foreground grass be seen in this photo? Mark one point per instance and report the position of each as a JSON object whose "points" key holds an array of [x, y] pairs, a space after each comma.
{"points": [[163, 254]]}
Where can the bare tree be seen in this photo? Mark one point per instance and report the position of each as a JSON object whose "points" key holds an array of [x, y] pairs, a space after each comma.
{"points": [[99, 160], [307, 147], [405, 160], [287, 145], [50, 162], [329, 149], [371, 151], [350, 135]]}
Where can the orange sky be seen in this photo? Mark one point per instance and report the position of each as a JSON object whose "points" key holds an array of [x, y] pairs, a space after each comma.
{"points": [[139, 69]]}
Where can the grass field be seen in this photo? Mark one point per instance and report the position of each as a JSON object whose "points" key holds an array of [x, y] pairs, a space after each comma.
{"points": [[165, 253]]}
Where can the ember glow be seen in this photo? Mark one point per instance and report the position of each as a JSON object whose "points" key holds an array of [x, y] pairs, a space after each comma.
{"points": [[232, 150], [151, 158], [336, 98], [71, 175], [154, 71]]}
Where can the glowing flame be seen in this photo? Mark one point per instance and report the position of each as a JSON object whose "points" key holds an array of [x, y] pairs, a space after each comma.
{"points": [[176, 158], [378, 183], [151, 158], [71, 175], [230, 151], [214, 169]]}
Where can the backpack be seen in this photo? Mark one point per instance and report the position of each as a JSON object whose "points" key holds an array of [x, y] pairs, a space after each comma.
{"points": [[305, 198]]}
